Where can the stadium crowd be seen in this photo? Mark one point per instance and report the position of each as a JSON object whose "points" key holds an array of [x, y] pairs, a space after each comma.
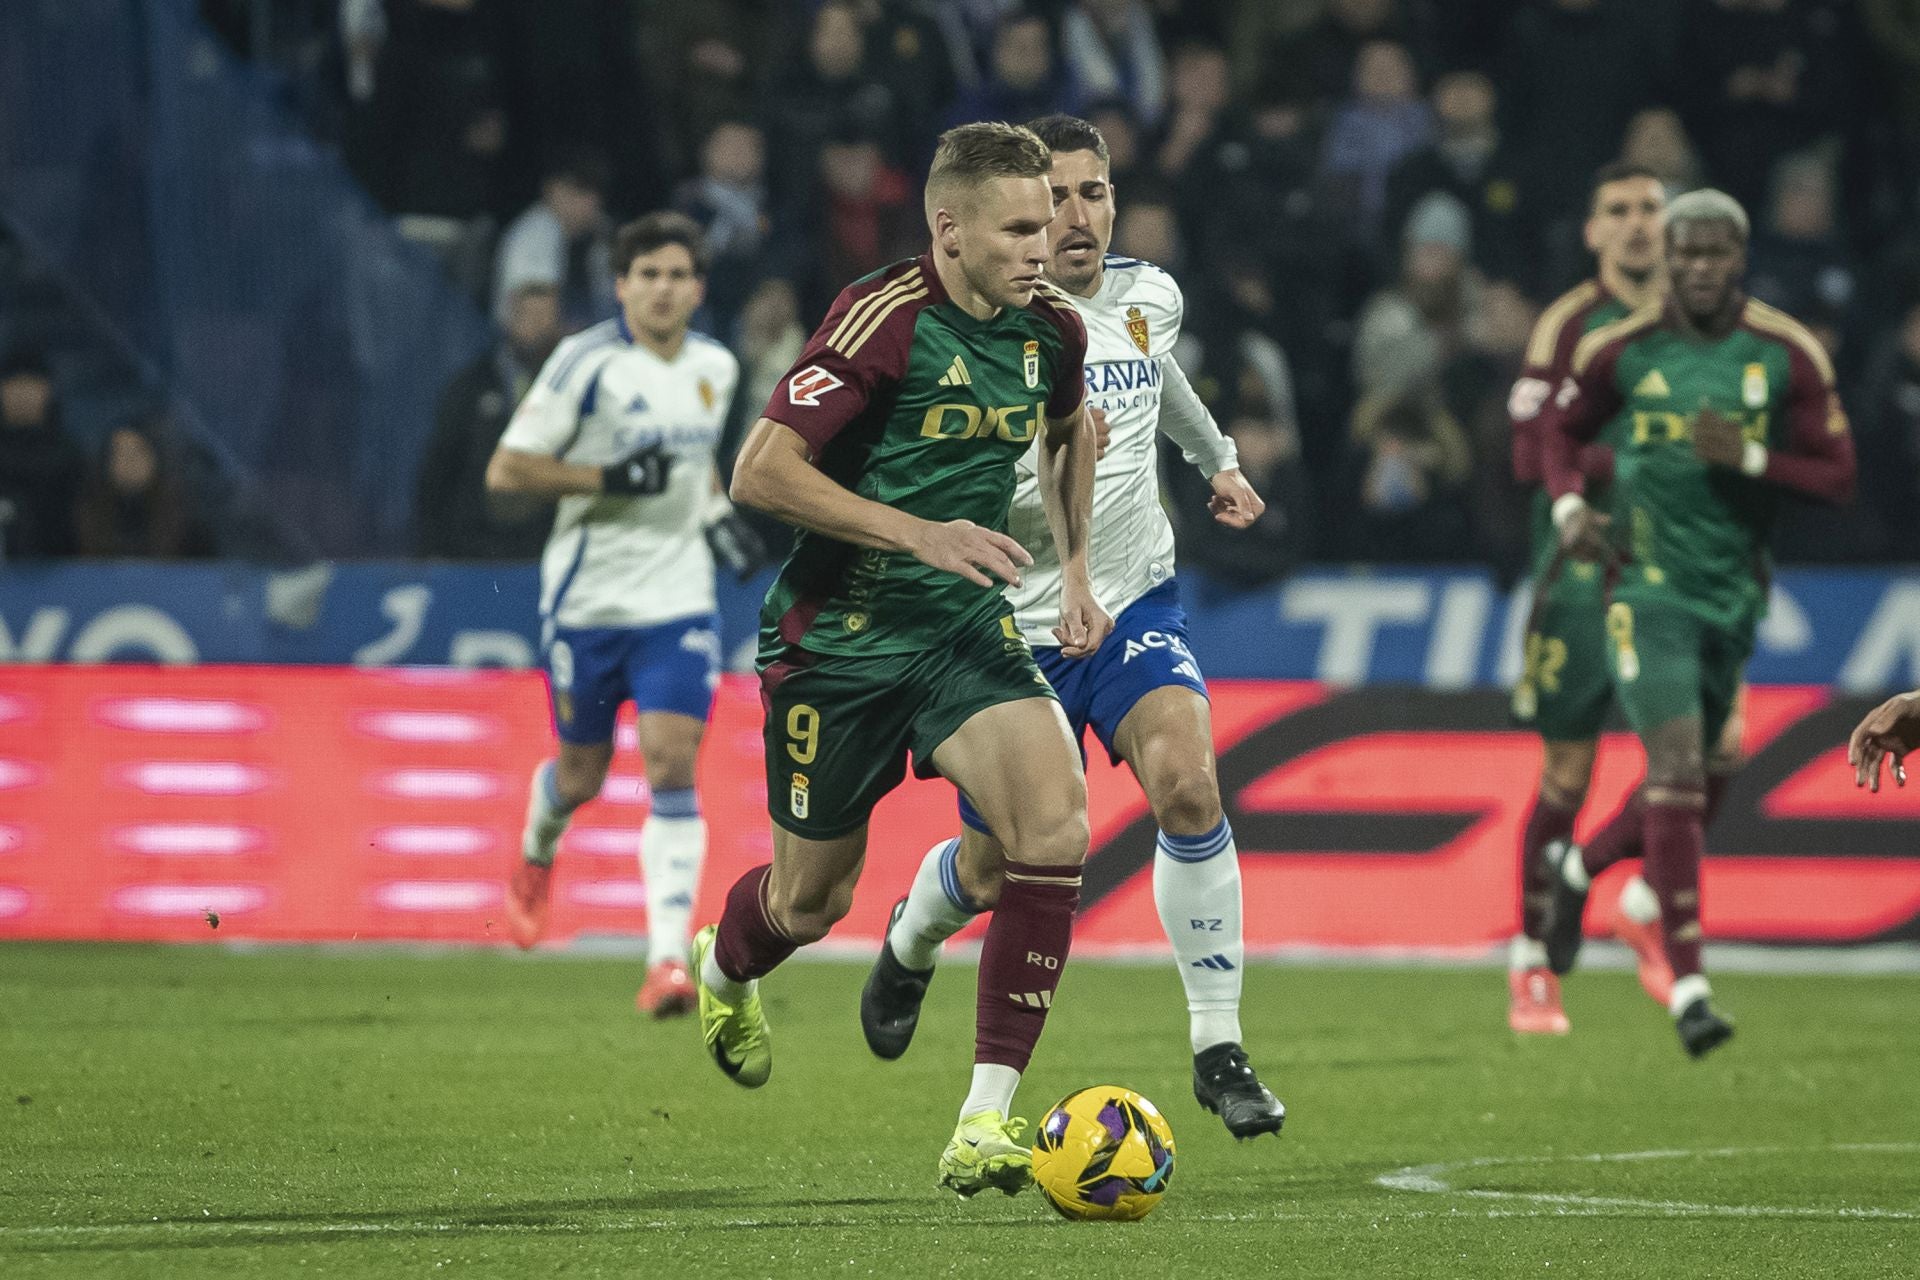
{"points": [[1367, 202]]}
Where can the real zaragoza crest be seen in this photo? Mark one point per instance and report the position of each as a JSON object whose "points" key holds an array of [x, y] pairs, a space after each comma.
{"points": [[706, 394], [1137, 329], [1031, 364]]}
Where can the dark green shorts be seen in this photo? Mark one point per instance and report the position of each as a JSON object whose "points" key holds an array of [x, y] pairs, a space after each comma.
{"points": [[1567, 687], [1669, 662], [839, 728]]}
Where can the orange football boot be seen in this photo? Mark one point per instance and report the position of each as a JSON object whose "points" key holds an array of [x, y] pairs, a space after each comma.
{"points": [[668, 991], [527, 902], [1534, 1008]]}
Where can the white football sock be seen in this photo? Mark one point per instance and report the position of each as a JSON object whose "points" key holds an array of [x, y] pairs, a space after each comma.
{"points": [[937, 908], [1196, 888], [719, 983], [1573, 870], [1525, 953], [992, 1090], [673, 845], [1686, 990], [1639, 903], [547, 817]]}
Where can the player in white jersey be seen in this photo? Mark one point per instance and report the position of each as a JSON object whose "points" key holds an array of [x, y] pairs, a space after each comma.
{"points": [[1141, 691], [621, 426]]}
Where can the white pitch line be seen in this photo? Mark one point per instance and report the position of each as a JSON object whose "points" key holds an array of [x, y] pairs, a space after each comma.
{"points": [[1432, 1179]]}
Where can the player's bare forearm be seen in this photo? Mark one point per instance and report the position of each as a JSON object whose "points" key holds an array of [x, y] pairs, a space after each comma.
{"points": [[1066, 457], [537, 475], [774, 474], [1067, 454]]}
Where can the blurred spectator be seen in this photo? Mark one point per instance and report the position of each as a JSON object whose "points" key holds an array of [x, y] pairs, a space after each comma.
{"points": [[1468, 161], [1413, 460], [565, 240], [433, 136], [1478, 383], [134, 504], [40, 467], [1892, 29], [1761, 77], [1571, 74], [826, 90], [870, 215], [39, 463], [1270, 204], [1148, 228], [1408, 333], [1110, 50], [455, 517], [1322, 57], [1657, 141], [769, 340], [1243, 377], [573, 80], [1187, 156], [1888, 431], [1023, 82], [970, 27], [1378, 125], [1799, 263], [707, 60], [914, 57], [1122, 132], [729, 201]]}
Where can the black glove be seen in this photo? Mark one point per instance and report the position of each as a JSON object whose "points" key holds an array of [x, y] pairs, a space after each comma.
{"points": [[642, 473], [735, 545]]}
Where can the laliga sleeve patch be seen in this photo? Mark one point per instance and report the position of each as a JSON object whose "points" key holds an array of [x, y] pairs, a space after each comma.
{"points": [[1529, 395], [809, 384]]}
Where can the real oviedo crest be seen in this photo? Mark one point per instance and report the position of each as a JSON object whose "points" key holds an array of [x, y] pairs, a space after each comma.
{"points": [[1030, 364]]}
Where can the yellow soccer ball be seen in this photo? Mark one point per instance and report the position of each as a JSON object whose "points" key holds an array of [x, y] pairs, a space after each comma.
{"points": [[1103, 1154]]}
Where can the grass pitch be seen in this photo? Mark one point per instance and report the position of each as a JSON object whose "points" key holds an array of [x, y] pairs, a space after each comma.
{"points": [[202, 1112]]}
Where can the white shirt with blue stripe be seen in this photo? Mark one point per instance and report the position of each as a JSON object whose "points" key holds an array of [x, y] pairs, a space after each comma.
{"points": [[1133, 321], [618, 561]]}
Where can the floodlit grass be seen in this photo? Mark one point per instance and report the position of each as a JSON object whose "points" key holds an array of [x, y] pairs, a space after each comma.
{"points": [[201, 1112]]}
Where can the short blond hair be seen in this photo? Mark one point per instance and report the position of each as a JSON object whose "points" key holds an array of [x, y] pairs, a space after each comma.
{"points": [[970, 154]]}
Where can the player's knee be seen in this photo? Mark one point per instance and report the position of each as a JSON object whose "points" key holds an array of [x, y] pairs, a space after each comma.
{"points": [[806, 916], [578, 781], [982, 870], [1566, 773], [1676, 768], [670, 772], [1186, 800], [1054, 837]]}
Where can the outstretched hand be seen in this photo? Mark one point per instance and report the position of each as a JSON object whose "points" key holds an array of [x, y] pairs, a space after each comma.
{"points": [[1584, 535], [965, 548], [1718, 441], [1234, 503], [1891, 730], [1083, 623]]}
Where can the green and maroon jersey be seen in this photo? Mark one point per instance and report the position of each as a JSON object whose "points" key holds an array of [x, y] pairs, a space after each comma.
{"points": [[1686, 530], [907, 400], [1572, 316]]}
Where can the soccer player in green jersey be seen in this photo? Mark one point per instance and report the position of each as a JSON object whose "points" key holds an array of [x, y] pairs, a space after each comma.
{"points": [[1565, 690], [1716, 403], [892, 447]]}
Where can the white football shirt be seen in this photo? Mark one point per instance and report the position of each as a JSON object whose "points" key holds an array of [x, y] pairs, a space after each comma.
{"points": [[1133, 321], [628, 561]]}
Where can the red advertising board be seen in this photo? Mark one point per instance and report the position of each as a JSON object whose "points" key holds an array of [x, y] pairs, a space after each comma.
{"points": [[332, 804]]}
